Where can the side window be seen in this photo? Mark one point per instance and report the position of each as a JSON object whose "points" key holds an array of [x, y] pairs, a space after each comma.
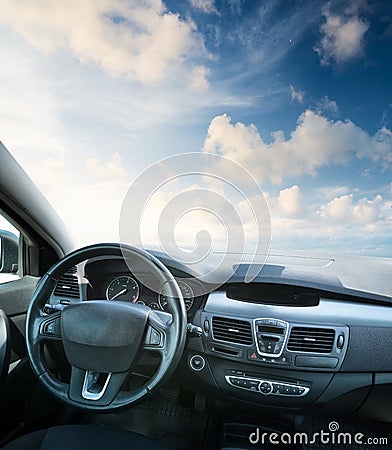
{"points": [[9, 251]]}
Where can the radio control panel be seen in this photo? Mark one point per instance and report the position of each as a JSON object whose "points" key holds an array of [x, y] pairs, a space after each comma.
{"points": [[267, 387]]}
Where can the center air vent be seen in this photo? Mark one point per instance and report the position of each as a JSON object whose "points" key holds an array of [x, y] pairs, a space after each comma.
{"points": [[67, 285], [315, 340], [232, 330]]}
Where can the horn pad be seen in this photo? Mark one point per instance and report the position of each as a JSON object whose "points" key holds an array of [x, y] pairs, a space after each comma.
{"points": [[103, 336]]}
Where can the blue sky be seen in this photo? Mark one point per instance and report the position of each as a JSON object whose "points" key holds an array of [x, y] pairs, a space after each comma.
{"points": [[297, 92]]}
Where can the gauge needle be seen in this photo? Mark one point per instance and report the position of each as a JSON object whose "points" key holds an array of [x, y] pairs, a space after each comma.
{"points": [[119, 293]]}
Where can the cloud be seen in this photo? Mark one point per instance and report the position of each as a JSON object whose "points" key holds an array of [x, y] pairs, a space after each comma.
{"points": [[314, 143], [330, 192], [199, 81], [342, 36], [344, 210], [288, 203], [297, 96], [325, 105], [113, 170], [207, 6], [139, 40], [345, 223]]}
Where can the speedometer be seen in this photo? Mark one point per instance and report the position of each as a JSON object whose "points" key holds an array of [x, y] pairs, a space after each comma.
{"points": [[123, 288], [187, 293]]}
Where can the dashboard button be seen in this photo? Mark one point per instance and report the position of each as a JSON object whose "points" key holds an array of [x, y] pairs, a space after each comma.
{"points": [[197, 363], [284, 360], [244, 383], [275, 388], [265, 387], [252, 355], [294, 390]]}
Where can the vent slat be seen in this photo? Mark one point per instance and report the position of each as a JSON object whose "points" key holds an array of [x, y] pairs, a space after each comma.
{"points": [[232, 330], [67, 285], [312, 340]]}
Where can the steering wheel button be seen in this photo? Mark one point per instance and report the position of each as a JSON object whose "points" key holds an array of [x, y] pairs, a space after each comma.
{"points": [[50, 328], [155, 337]]}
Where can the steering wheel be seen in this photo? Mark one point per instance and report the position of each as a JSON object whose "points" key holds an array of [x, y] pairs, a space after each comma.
{"points": [[102, 339]]}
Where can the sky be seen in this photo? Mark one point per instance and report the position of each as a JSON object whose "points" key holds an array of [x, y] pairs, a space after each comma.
{"points": [[298, 93]]}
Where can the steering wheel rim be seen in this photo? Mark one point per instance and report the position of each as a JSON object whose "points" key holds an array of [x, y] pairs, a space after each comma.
{"points": [[170, 328]]}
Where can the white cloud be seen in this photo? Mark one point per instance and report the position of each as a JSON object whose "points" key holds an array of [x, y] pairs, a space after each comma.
{"points": [[141, 40], [325, 105], [315, 142], [207, 6], [199, 81], [344, 210], [113, 170], [290, 202], [330, 192], [344, 223], [342, 36], [296, 95]]}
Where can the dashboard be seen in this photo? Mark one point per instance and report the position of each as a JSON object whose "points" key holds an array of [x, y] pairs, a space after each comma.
{"points": [[287, 346], [331, 354]]}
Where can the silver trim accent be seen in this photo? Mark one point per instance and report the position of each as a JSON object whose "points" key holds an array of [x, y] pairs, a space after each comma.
{"points": [[94, 395], [202, 367], [271, 382], [271, 355]]}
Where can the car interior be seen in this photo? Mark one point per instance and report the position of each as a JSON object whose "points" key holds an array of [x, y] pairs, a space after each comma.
{"points": [[110, 346]]}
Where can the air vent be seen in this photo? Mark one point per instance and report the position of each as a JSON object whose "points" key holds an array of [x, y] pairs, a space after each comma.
{"points": [[315, 340], [232, 330], [67, 285]]}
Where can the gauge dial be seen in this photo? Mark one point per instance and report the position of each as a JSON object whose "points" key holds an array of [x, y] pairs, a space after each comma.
{"points": [[123, 288], [187, 294]]}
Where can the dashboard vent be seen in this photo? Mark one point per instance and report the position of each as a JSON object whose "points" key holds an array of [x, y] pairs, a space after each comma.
{"points": [[232, 330], [315, 340], [67, 285]]}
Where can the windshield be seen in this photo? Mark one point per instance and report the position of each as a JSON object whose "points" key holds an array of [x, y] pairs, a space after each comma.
{"points": [[250, 126]]}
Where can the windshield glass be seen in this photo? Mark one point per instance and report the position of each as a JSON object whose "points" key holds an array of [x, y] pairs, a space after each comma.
{"points": [[280, 112]]}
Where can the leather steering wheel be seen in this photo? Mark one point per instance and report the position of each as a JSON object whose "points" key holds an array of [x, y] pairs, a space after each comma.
{"points": [[102, 338]]}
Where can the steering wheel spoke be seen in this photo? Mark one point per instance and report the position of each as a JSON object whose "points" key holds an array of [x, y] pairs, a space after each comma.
{"points": [[49, 328], [95, 388]]}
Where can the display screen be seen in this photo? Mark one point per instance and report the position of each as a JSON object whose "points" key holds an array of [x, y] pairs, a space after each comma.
{"points": [[268, 329]]}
